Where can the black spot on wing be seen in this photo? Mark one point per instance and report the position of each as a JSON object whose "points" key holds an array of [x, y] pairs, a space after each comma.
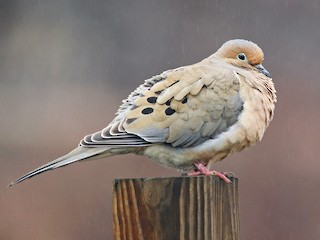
{"points": [[185, 100], [147, 111], [169, 111], [152, 99]]}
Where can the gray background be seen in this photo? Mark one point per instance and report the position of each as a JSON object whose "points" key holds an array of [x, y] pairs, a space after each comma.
{"points": [[65, 66]]}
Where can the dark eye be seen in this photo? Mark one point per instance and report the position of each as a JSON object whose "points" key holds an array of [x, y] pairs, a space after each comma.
{"points": [[242, 57]]}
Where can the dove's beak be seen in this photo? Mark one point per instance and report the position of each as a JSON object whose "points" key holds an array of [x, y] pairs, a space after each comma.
{"points": [[263, 70]]}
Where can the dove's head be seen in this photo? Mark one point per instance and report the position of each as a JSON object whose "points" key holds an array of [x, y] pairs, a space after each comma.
{"points": [[242, 53]]}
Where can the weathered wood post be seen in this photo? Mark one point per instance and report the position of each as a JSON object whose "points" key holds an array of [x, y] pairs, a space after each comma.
{"points": [[202, 208]]}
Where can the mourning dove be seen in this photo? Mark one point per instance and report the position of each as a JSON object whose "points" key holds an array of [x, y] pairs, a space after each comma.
{"points": [[187, 117]]}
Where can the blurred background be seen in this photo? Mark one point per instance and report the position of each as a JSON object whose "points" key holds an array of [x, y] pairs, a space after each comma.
{"points": [[66, 65]]}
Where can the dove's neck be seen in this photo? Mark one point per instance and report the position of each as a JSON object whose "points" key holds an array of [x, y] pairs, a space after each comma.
{"points": [[258, 94]]}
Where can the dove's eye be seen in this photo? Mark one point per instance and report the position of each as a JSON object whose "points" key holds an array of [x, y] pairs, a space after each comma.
{"points": [[242, 57]]}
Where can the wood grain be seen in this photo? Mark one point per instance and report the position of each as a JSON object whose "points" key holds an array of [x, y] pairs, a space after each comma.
{"points": [[194, 208]]}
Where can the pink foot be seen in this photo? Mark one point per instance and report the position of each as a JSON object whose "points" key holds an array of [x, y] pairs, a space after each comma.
{"points": [[203, 170]]}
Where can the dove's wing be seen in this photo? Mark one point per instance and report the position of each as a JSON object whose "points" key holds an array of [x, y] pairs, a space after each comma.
{"points": [[182, 107]]}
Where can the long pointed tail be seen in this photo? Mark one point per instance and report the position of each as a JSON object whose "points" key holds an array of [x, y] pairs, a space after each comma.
{"points": [[75, 155]]}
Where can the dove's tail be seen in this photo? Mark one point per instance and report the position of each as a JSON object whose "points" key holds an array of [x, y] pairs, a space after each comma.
{"points": [[75, 155]]}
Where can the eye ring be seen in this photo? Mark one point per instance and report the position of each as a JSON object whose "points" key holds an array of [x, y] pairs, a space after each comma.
{"points": [[242, 57]]}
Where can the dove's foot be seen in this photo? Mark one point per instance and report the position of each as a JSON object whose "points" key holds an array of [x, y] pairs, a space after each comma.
{"points": [[203, 170]]}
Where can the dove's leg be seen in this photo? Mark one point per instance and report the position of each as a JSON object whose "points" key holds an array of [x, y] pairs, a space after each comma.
{"points": [[203, 170]]}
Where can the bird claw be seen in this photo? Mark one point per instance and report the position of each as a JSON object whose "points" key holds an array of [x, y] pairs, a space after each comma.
{"points": [[203, 170], [222, 176]]}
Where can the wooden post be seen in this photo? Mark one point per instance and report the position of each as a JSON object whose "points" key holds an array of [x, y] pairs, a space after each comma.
{"points": [[185, 208]]}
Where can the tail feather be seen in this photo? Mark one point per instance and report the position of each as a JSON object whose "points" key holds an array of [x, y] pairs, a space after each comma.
{"points": [[77, 154]]}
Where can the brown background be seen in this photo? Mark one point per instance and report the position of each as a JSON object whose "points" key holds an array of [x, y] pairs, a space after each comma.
{"points": [[65, 66]]}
